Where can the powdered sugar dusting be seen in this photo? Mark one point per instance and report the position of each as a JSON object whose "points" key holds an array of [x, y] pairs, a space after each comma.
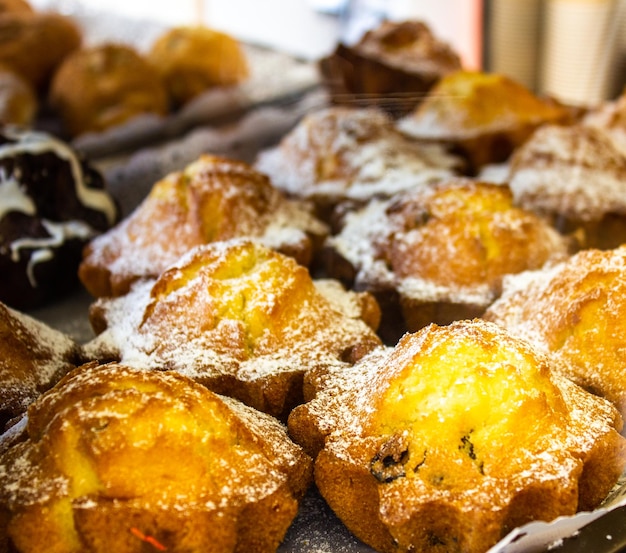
{"points": [[150, 330], [343, 153], [571, 171]]}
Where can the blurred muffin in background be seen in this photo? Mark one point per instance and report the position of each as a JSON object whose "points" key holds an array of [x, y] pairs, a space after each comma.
{"points": [[18, 101], [192, 60], [35, 44], [482, 116], [392, 66], [15, 6], [104, 86]]}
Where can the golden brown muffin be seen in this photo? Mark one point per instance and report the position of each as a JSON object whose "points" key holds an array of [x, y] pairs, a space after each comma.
{"points": [[237, 316], [124, 460], [18, 101], [212, 199], [440, 251], [192, 60], [576, 177], [392, 66], [484, 116], [35, 44], [15, 6], [348, 154], [33, 357], [576, 311], [106, 85], [455, 437]]}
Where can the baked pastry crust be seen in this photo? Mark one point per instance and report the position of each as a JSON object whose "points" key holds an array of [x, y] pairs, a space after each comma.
{"points": [[576, 177], [52, 202], [106, 85], [484, 116], [440, 252], [455, 437], [13, 6], [18, 102], [392, 67], [33, 357], [348, 154], [610, 118], [193, 59], [241, 318], [212, 199], [575, 312], [124, 460], [35, 44]]}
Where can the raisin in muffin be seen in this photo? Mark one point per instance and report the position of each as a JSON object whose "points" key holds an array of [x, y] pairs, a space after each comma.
{"points": [[454, 437]]}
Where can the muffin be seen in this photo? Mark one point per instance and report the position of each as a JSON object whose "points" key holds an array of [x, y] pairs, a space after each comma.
{"points": [[124, 460], [104, 86], [192, 60], [15, 6], [610, 117], [212, 199], [439, 253], [236, 316], [35, 44], [483, 116], [52, 202], [341, 154], [18, 101], [575, 177], [575, 311], [392, 67], [454, 437], [33, 357]]}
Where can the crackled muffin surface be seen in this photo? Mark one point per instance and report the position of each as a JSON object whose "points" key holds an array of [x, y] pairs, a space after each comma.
{"points": [[237, 316], [454, 437], [123, 460]]}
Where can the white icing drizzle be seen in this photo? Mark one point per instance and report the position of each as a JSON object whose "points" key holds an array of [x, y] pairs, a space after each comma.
{"points": [[12, 197], [59, 233], [36, 143]]}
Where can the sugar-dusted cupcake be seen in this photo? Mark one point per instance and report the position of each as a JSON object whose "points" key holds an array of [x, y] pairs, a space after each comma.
{"points": [[454, 437], [439, 252], [212, 199], [237, 316], [123, 460]]}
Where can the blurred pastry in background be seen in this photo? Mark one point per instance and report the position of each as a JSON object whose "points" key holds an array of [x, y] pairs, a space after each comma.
{"points": [[192, 60], [453, 437], [610, 118], [576, 177], [19, 103], [35, 44], [242, 319], [15, 6], [106, 85], [52, 202], [482, 116], [212, 199], [33, 357], [340, 154], [392, 67], [123, 460], [438, 253]]}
